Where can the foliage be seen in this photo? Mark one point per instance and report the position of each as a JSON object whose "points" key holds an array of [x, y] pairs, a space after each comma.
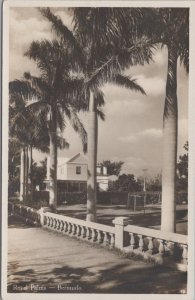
{"points": [[113, 168], [95, 44], [25, 128], [13, 167], [38, 173], [154, 184], [125, 182], [182, 171]]}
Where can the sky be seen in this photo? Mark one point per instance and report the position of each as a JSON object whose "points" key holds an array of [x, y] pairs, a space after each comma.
{"points": [[132, 130]]}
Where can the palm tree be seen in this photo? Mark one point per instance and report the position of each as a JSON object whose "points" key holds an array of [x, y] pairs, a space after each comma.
{"points": [[97, 34], [55, 96], [24, 132], [172, 31]]}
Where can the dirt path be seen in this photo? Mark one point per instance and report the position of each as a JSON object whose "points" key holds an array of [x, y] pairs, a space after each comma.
{"points": [[43, 261]]}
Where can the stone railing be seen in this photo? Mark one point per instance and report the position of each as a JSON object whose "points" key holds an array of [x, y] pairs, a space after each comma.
{"points": [[87, 231], [161, 247], [28, 214]]}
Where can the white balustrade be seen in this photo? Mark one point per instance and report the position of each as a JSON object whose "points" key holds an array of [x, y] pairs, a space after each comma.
{"points": [[146, 241], [111, 240], [150, 246], [93, 235], [185, 254], [105, 238], [141, 242], [161, 248], [99, 237], [156, 243]]}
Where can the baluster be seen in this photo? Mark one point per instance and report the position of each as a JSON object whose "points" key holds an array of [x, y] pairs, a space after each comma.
{"points": [[132, 240], [93, 235], [112, 240], [87, 234], [55, 224], [141, 242], [161, 248], [105, 238], [74, 229], [48, 221], [70, 229], [52, 222], [83, 232], [150, 245], [99, 237], [185, 254], [61, 226], [171, 248], [78, 230], [65, 227], [58, 224]]}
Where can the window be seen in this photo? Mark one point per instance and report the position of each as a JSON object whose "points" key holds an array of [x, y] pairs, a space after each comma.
{"points": [[78, 170]]}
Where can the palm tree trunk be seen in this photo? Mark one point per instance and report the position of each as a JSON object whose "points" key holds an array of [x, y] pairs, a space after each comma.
{"points": [[30, 171], [53, 160], [26, 173], [22, 175], [168, 222], [92, 160]]}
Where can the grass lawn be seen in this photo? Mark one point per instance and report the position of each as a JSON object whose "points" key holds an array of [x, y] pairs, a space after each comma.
{"points": [[106, 213]]}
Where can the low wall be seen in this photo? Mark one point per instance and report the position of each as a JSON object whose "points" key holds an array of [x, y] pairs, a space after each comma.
{"points": [[28, 214], [161, 247]]}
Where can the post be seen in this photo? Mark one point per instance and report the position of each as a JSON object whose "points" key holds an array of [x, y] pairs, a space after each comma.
{"points": [[120, 222], [41, 211]]}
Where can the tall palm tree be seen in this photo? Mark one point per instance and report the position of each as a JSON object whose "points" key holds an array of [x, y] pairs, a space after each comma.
{"points": [[171, 30], [24, 132], [55, 96], [97, 34]]}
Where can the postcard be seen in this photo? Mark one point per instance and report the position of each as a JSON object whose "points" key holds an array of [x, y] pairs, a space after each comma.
{"points": [[98, 160]]}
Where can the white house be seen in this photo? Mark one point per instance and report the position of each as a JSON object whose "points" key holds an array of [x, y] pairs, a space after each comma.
{"points": [[72, 174]]}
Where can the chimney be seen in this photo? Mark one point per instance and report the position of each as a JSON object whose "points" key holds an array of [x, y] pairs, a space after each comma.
{"points": [[98, 169], [104, 170]]}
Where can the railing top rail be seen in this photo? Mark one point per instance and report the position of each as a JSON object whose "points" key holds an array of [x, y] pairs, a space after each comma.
{"points": [[75, 221], [158, 234]]}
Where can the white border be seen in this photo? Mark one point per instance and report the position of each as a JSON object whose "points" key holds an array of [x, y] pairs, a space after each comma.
{"points": [[191, 120]]}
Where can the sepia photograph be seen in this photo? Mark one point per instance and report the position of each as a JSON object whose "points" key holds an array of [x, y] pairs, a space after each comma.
{"points": [[97, 187]]}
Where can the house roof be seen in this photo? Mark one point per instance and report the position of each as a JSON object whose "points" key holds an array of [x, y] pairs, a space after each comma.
{"points": [[78, 158]]}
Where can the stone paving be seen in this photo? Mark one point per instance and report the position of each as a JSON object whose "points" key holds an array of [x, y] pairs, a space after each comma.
{"points": [[40, 261]]}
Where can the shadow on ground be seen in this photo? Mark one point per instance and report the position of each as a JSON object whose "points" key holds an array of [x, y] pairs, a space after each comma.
{"points": [[14, 222], [117, 279], [37, 275]]}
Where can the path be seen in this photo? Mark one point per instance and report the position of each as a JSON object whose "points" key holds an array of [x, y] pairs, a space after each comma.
{"points": [[39, 259]]}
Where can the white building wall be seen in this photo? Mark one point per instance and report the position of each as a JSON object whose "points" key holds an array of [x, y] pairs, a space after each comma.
{"points": [[71, 172], [102, 182], [67, 171], [62, 172]]}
